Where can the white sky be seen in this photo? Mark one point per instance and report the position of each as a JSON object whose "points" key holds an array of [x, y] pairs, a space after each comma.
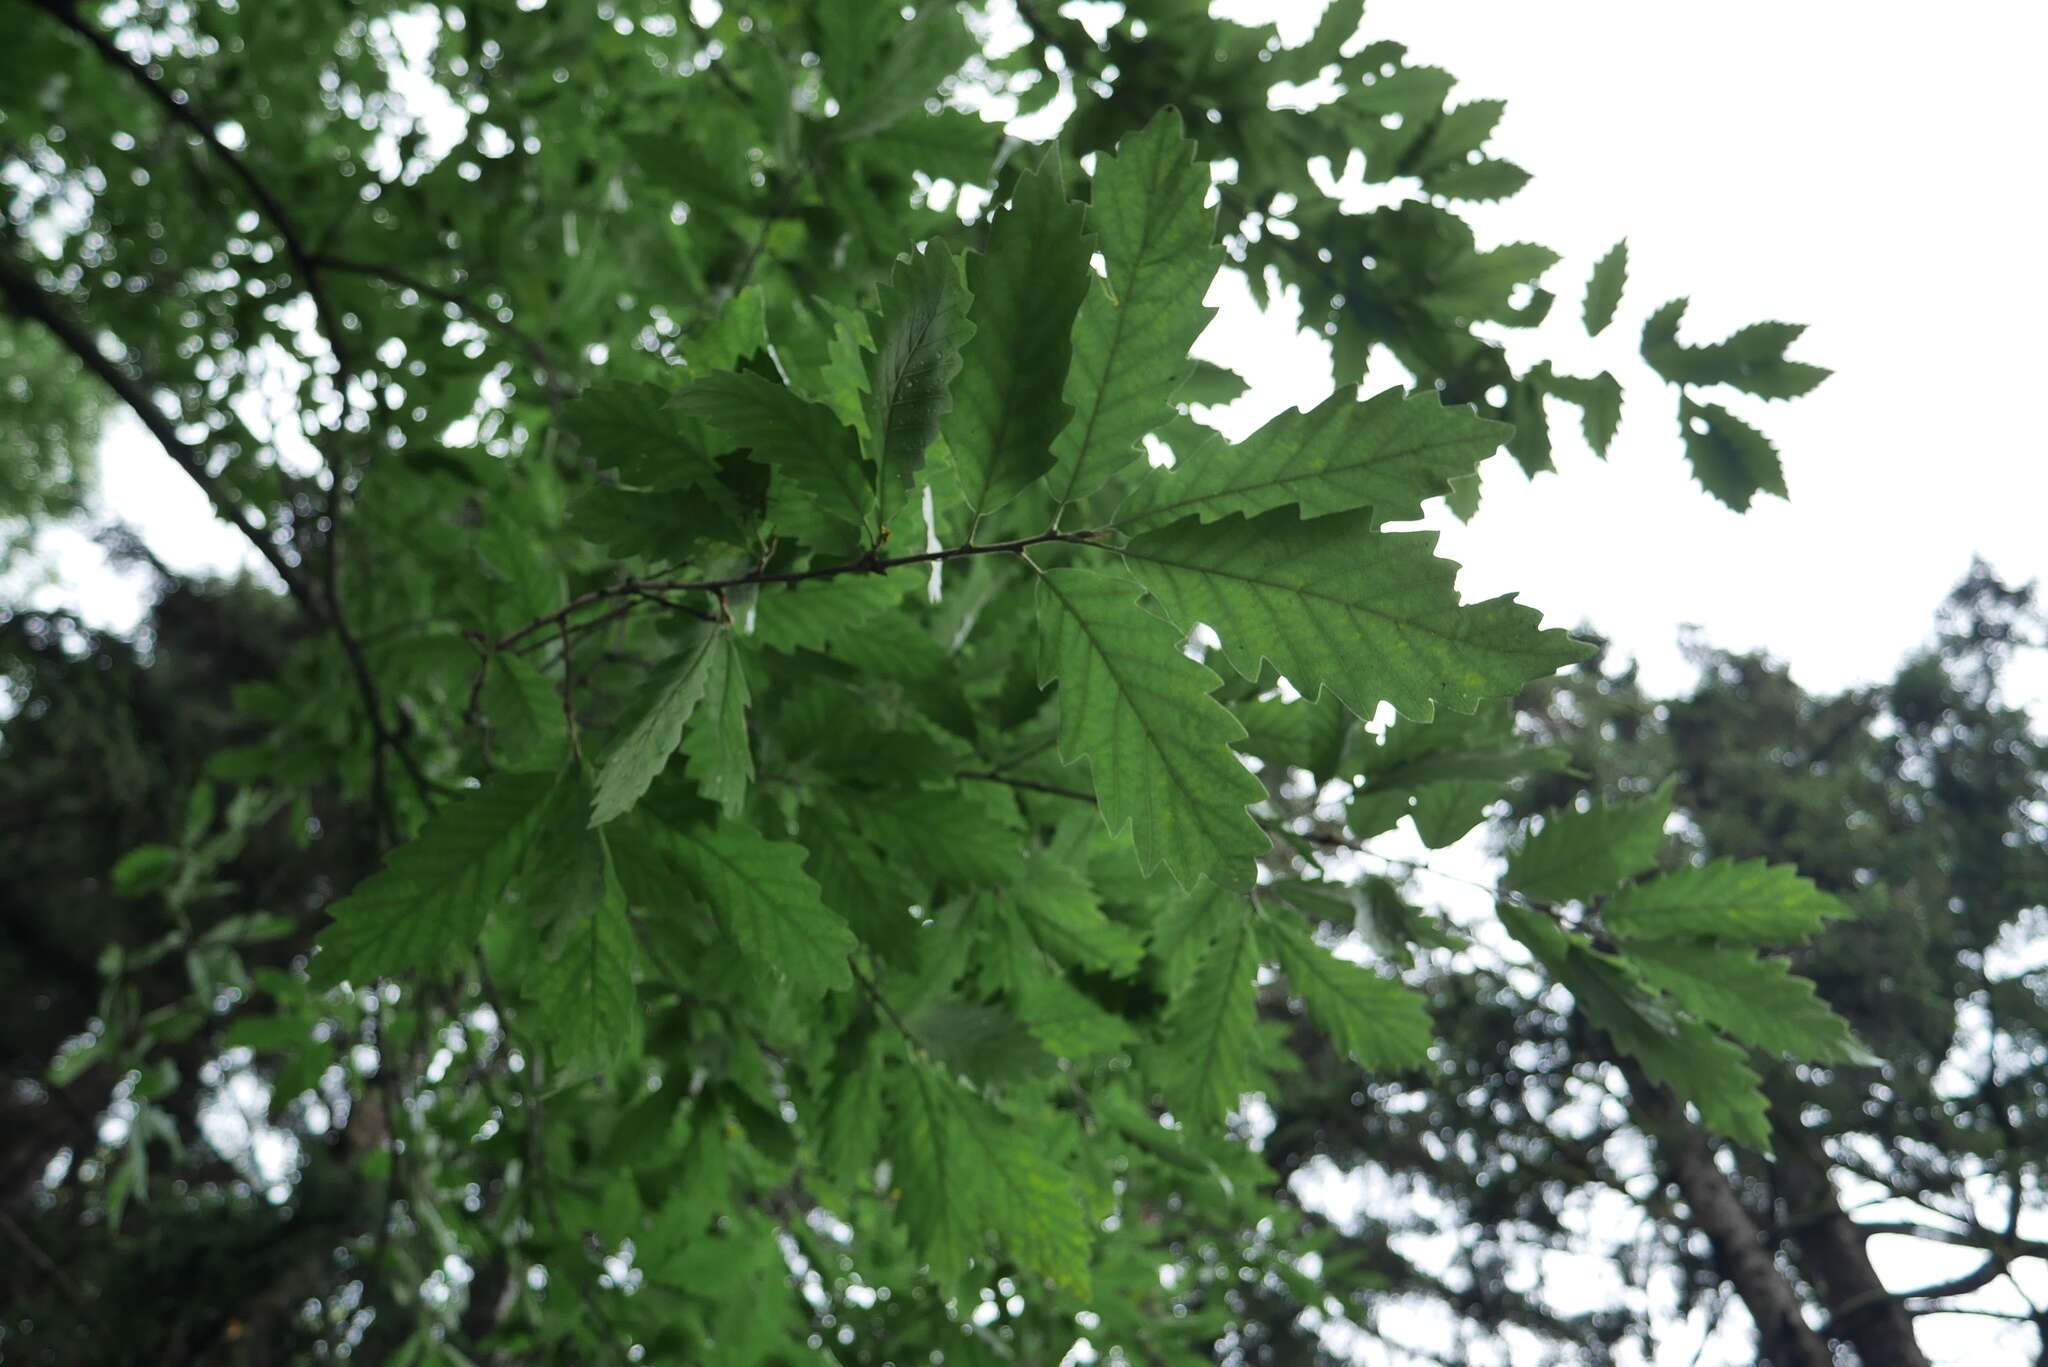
{"points": [[1871, 170]]}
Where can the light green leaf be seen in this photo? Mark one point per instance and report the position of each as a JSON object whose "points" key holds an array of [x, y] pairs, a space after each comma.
{"points": [[1026, 287], [1603, 290], [1212, 384], [1209, 1032], [918, 332], [1132, 336], [1757, 1000], [144, 869], [1581, 855], [967, 1169], [1333, 604], [1750, 902], [426, 910], [642, 752], [1388, 454], [1375, 1020], [1157, 744], [720, 760]]}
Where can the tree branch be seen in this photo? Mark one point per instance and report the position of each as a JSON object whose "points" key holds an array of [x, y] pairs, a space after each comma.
{"points": [[32, 301], [178, 106]]}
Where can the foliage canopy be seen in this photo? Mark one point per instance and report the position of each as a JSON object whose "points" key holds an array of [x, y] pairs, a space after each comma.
{"points": [[794, 785]]}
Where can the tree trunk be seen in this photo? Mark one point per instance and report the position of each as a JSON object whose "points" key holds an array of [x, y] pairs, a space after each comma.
{"points": [[1831, 1251], [1784, 1339]]}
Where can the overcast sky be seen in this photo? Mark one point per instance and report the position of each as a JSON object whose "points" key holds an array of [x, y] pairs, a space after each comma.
{"points": [[1871, 170]]}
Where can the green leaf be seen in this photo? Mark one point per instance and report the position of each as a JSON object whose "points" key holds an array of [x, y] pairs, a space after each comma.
{"points": [[1751, 359], [1334, 604], [810, 616], [1209, 1032], [1027, 288], [425, 912], [918, 332], [629, 426], [967, 1169], [720, 759], [642, 751], [1133, 333], [1067, 1022], [1489, 178], [801, 442], [1711, 1072], [850, 1127], [1732, 460], [1603, 290], [1581, 855], [1212, 384], [1063, 915], [1530, 445], [146, 868], [1478, 285], [1750, 902], [1599, 401], [774, 912], [1389, 454], [1759, 1001], [1682, 1053], [584, 989], [986, 1043], [969, 838], [1158, 745], [1375, 1020], [528, 728]]}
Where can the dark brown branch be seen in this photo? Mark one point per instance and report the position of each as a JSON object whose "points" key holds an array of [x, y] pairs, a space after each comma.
{"points": [[1784, 1339], [867, 564], [58, 1278], [1986, 1239], [32, 301]]}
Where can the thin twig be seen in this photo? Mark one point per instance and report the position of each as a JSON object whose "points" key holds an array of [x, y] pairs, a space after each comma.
{"points": [[32, 301], [867, 564], [1031, 785]]}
